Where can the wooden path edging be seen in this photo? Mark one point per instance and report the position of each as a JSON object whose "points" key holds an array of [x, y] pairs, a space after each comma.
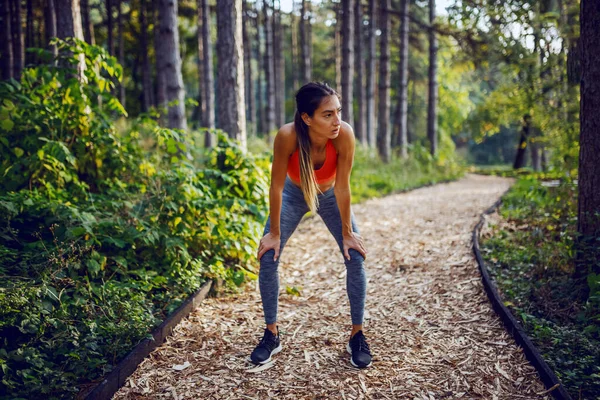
{"points": [[117, 377], [552, 383]]}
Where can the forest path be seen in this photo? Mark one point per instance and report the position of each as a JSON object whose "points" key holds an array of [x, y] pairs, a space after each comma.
{"points": [[430, 326]]}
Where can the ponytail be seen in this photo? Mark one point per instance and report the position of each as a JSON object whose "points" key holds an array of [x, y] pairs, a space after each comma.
{"points": [[307, 177]]}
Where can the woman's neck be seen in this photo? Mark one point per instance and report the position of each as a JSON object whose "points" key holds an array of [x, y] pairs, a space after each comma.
{"points": [[317, 144]]}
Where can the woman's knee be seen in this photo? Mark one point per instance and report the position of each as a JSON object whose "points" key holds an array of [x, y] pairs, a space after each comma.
{"points": [[356, 258], [267, 261]]}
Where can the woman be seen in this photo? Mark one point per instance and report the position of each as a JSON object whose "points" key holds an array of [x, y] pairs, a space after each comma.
{"points": [[312, 161]]}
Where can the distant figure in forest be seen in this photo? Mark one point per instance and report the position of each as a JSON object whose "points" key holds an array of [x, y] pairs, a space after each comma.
{"points": [[312, 161], [522, 148]]}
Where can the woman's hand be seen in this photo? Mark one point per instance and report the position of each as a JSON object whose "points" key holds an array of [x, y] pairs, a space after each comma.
{"points": [[268, 242], [354, 241]]}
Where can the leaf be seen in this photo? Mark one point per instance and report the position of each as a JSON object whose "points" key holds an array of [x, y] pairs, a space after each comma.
{"points": [[18, 151], [7, 124]]}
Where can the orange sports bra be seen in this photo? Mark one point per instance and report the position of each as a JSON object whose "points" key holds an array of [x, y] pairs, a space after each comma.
{"points": [[323, 174]]}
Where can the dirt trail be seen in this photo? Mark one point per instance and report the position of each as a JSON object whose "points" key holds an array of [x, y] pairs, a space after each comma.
{"points": [[431, 328]]}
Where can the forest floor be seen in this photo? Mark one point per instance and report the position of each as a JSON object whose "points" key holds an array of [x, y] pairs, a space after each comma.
{"points": [[430, 326]]}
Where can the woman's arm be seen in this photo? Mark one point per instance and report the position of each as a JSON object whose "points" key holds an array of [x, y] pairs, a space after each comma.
{"points": [[345, 146], [283, 146]]}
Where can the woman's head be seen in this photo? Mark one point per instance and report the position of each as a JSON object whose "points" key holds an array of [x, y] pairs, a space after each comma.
{"points": [[317, 110]]}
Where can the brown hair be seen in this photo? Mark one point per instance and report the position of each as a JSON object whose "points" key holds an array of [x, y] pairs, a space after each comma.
{"points": [[308, 99]]}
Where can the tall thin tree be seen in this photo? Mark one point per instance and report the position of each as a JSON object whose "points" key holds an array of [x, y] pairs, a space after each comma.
{"points": [[295, 51], [121, 49], [250, 101], [88, 26], [383, 132], [588, 222], [348, 60], [68, 23], [171, 63], [402, 109], [269, 75], [109, 27], [338, 45], [208, 77], [50, 21], [230, 81], [279, 66], [29, 37], [17, 38], [360, 122], [371, 129], [305, 42], [433, 87], [6, 39], [147, 97]]}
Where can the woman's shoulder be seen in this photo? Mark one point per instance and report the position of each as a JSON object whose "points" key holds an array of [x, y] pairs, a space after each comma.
{"points": [[346, 137], [286, 138]]}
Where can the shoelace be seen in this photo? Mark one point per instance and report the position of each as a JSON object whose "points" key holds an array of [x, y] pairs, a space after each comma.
{"points": [[362, 344]]}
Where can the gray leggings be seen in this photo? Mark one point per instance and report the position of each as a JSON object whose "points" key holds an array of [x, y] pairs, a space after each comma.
{"points": [[293, 208]]}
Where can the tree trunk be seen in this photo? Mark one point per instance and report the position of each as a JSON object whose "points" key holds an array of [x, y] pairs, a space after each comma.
{"points": [[50, 20], [171, 63], [29, 36], [371, 129], [208, 78], [402, 115], [251, 105], [295, 51], [109, 27], [383, 133], [6, 38], [161, 88], [348, 60], [68, 22], [433, 89], [305, 43], [260, 95], [338, 46], [360, 122], [279, 68], [17, 39], [269, 75], [147, 98], [230, 81], [88, 26], [121, 50], [588, 222]]}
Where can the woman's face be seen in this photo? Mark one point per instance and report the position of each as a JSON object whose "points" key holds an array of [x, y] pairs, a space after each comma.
{"points": [[326, 120]]}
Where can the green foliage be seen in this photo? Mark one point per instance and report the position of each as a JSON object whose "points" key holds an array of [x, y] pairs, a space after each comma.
{"points": [[532, 260], [373, 178], [106, 231]]}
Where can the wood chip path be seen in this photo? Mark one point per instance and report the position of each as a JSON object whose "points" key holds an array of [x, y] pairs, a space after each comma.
{"points": [[431, 328]]}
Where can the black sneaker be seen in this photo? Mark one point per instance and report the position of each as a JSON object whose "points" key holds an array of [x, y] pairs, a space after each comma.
{"points": [[359, 351], [269, 345]]}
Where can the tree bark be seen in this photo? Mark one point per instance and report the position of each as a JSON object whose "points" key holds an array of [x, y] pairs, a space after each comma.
{"points": [[68, 22], [279, 68], [161, 88], [6, 38], [251, 105], [109, 27], [402, 115], [383, 135], [29, 36], [269, 75], [260, 78], [171, 63], [305, 43], [50, 21], [371, 128], [121, 50], [360, 122], [348, 60], [88, 26], [230, 81], [147, 98], [295, 56], [338, 46], [588, 222], [17, 39], [433, 88], [208, 77]]}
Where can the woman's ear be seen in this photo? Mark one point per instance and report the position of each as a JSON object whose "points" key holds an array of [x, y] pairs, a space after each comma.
{"points": [[306, 118]]}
